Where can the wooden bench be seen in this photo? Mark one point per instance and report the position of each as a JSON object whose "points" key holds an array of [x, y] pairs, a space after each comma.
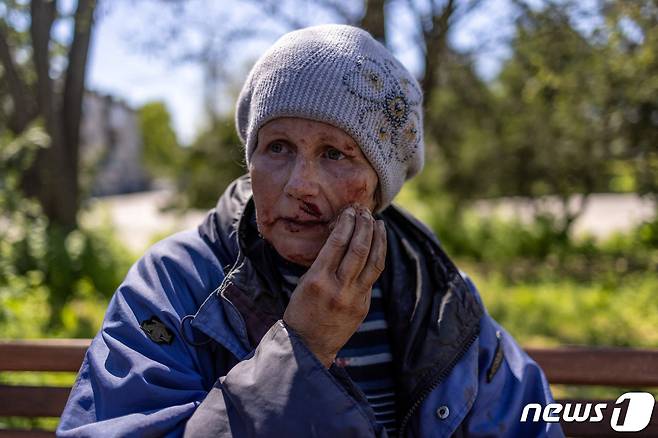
{"points": [[613, 367]]}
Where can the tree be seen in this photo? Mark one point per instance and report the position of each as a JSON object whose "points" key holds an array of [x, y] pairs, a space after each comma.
{"points": [[38, 260], [162, 153], [630, 43], [553, 138], [577, 105], [186, 33], [374, 19], [48, 84], [213, 160], [461, 126]]}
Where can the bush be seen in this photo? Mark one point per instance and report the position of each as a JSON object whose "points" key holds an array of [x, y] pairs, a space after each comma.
{"points": [[58, 282], [563, 311], [211, 163], [535, 251], [51, 280]]}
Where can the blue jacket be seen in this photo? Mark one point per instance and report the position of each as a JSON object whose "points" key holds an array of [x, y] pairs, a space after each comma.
{"points": [[193, 343]]}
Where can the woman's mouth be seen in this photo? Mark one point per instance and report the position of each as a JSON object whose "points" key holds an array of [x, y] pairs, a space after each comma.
{"points": [[295, 225], [311, 209]]}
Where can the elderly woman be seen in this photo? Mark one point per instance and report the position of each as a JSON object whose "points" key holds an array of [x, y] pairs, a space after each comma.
{"points": [[306, 304]]}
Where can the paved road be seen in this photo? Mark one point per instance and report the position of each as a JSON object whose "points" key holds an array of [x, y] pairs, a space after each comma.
{"points": [[138, 217], [604, 214]]}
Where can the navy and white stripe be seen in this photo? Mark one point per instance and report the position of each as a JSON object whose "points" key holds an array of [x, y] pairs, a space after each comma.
{"points": [[367, 356]]}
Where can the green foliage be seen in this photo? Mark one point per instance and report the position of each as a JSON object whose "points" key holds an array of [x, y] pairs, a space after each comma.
{"points": [[57, 282], [29, 423], [535, 251], [540, 250], [163, 155], [460, 120], [630, 52], [553, 137], [571, 111], [211, 163], [548, 288], [50, 280], [564, 311]]}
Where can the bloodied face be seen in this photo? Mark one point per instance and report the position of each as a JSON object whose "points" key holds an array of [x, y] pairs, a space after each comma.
{"points": [[303, 173]]}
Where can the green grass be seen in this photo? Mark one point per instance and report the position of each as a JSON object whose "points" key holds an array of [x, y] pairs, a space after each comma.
{"points": [[26, 316], [563, 311], [45, 423], [63, 379]]}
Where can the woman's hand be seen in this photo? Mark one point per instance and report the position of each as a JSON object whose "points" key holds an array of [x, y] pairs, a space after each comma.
{"points": [[333, 297]]}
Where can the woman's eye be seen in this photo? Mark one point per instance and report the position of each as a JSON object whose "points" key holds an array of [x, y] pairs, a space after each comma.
{"points": [[334, 154], [276, 147]]}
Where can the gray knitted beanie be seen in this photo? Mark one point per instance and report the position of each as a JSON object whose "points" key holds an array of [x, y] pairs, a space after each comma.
{"points": [[342, 76]]}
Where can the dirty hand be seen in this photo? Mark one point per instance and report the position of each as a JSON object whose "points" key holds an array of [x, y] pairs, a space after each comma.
{"points": [[333, 297]]}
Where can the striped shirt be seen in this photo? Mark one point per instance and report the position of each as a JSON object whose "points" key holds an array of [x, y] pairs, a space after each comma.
{"points": [[366, 357]]}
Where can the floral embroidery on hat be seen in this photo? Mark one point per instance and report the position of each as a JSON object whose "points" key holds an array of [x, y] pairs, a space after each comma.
{"points": [[368, 80], [396, 108], [391, 97]]}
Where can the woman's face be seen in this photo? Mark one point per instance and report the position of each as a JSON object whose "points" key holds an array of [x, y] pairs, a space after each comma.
{"points": [[303, 173]]}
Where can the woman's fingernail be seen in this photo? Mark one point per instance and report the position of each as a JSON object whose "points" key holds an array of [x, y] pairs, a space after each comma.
{"points": [[348, 216], [346, 223]]}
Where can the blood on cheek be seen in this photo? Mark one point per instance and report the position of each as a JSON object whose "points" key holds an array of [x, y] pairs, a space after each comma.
{"points": [[359, 192], [356, 194], [351, 183]]}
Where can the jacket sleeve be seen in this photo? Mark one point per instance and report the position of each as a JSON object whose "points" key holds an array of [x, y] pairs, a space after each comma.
{"points": [[508, 380], [129, 385], [283, 390]]}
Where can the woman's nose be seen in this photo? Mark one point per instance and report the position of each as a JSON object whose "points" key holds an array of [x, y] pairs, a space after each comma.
{"points": [[303, 180]]}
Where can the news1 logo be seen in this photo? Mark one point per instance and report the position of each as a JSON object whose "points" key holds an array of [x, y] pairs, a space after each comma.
{"points": [[631, 412]]}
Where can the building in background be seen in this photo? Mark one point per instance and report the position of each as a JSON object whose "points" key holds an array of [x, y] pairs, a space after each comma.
{"points": [[111, 147]]}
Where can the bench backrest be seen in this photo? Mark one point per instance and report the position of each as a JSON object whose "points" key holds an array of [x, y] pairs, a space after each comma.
{"points": [[618, 367]]}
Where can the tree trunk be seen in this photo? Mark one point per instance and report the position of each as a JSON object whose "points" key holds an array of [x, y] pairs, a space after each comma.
{"points": [[46, 180], [53, 178], [435, 45], [374, 19], [24, 110]]}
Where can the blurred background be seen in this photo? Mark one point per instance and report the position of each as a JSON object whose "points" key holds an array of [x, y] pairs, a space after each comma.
{"points": [[541, 176]]}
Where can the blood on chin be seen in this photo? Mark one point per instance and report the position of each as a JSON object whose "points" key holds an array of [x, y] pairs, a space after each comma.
{"points": [[301, 255], [298, 247]]}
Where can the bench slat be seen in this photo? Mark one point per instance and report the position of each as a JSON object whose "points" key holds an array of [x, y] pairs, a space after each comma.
{"points": [[43, 354], [32, 401], [621, 367], [625, 367]]}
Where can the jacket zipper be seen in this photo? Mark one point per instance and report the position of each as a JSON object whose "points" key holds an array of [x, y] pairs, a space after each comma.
{"points": [[421, 397]]}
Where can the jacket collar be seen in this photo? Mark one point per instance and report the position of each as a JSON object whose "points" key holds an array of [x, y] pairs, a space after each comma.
{"points": [[432, 315]]}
